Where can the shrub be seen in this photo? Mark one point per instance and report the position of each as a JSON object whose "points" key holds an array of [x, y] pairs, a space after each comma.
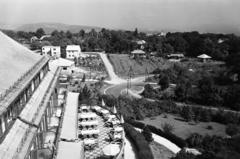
{"points": [[164, 82], [167, 128], [147, 134], [144, 151], [187, 113]]}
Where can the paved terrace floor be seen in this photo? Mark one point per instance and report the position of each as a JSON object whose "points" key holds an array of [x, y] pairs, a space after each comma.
{"points": [[101, 141], [17, 141]]}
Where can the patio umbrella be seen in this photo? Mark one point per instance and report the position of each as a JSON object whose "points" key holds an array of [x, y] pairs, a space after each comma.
{"points": [[122, 120], [114, 110], [111, 150], [103, 103]]}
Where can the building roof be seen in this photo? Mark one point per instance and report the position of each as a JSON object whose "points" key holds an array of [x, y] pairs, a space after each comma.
{"points": [[73, 47], [176, 55], [69, 125], [15, 60], [204, 56], [138, 52], [73, 149], [47, 46]]}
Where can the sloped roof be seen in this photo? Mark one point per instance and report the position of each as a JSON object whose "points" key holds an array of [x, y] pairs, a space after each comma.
{"points": [[73, 47], [138, 52], [15, 60], [204, 56]]}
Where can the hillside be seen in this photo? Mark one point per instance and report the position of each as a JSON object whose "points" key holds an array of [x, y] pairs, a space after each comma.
{"points": [[49, 27], [122, 64]]}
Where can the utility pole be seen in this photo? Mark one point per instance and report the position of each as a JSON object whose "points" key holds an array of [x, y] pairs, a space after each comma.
{"points": [[146, 74], [130, 74]]}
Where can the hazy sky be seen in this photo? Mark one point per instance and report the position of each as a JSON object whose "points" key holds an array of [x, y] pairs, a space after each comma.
{"points": [[127, 14]]}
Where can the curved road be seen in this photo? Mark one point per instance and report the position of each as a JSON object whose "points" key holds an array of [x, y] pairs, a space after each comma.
{"points": [[116, 89]]}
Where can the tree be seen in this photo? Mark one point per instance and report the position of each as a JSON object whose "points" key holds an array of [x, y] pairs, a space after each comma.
{"points": [[208, 93], [232, 129], [167, 128], [164, 82], [135, 32], [147, 134], [183, 89], [187, 113], [82, 33], [84, 94], [167, 48], [84, 78], [40, 32], [184, 155], [195, 140]]}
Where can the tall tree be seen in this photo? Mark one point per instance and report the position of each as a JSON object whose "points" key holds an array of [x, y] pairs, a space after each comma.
{"points": [[40, 32]]}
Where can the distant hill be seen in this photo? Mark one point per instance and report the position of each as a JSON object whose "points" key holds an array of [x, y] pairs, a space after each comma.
{"points": [[49, 27]]}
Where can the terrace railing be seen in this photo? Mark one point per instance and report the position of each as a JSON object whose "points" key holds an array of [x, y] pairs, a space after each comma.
{"points": [[10, 94], [21, 145]]}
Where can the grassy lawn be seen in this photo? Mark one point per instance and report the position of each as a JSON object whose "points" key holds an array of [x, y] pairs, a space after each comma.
{"points": [[122, 64], [184, 129], [160, 152]]}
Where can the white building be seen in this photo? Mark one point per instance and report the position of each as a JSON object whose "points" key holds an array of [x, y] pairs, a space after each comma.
{"points": [[73, 51], [54, 51]]}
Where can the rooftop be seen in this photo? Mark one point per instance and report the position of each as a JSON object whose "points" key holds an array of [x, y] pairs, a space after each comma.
{"points": [[15, 60], [73, 47], [138, 52]]}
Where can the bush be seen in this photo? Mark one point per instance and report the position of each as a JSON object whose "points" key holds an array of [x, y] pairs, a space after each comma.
{"points": [[167, 128], [147, 134], [144, 151]]}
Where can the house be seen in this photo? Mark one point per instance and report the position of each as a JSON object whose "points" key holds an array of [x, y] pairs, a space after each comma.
{"points": [[141, 42], [175, 57], [53, 51], [138, 53], [204, 57], [73, 51]]}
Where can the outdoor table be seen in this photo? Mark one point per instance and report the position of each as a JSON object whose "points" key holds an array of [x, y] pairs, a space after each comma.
{"points": [[97, 108], [88, 123], [89, 141], [115, 122], [104, 111], [89, 132], [87, 115], [117, 136], [118, 129]]}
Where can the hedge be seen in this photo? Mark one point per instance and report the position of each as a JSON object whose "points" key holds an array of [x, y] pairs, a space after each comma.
{"points": [[171, 137], [142, 146]]}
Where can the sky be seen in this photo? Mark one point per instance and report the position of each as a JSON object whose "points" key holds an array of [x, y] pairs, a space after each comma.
{"points": [[161, 15]]}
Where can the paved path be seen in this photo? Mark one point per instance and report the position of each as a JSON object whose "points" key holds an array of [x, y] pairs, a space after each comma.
{"points": [[168, 144], [114, 79]]}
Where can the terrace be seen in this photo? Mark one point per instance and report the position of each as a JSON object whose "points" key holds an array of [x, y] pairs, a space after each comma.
{"points": [[93, 130], [101, 132]]}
